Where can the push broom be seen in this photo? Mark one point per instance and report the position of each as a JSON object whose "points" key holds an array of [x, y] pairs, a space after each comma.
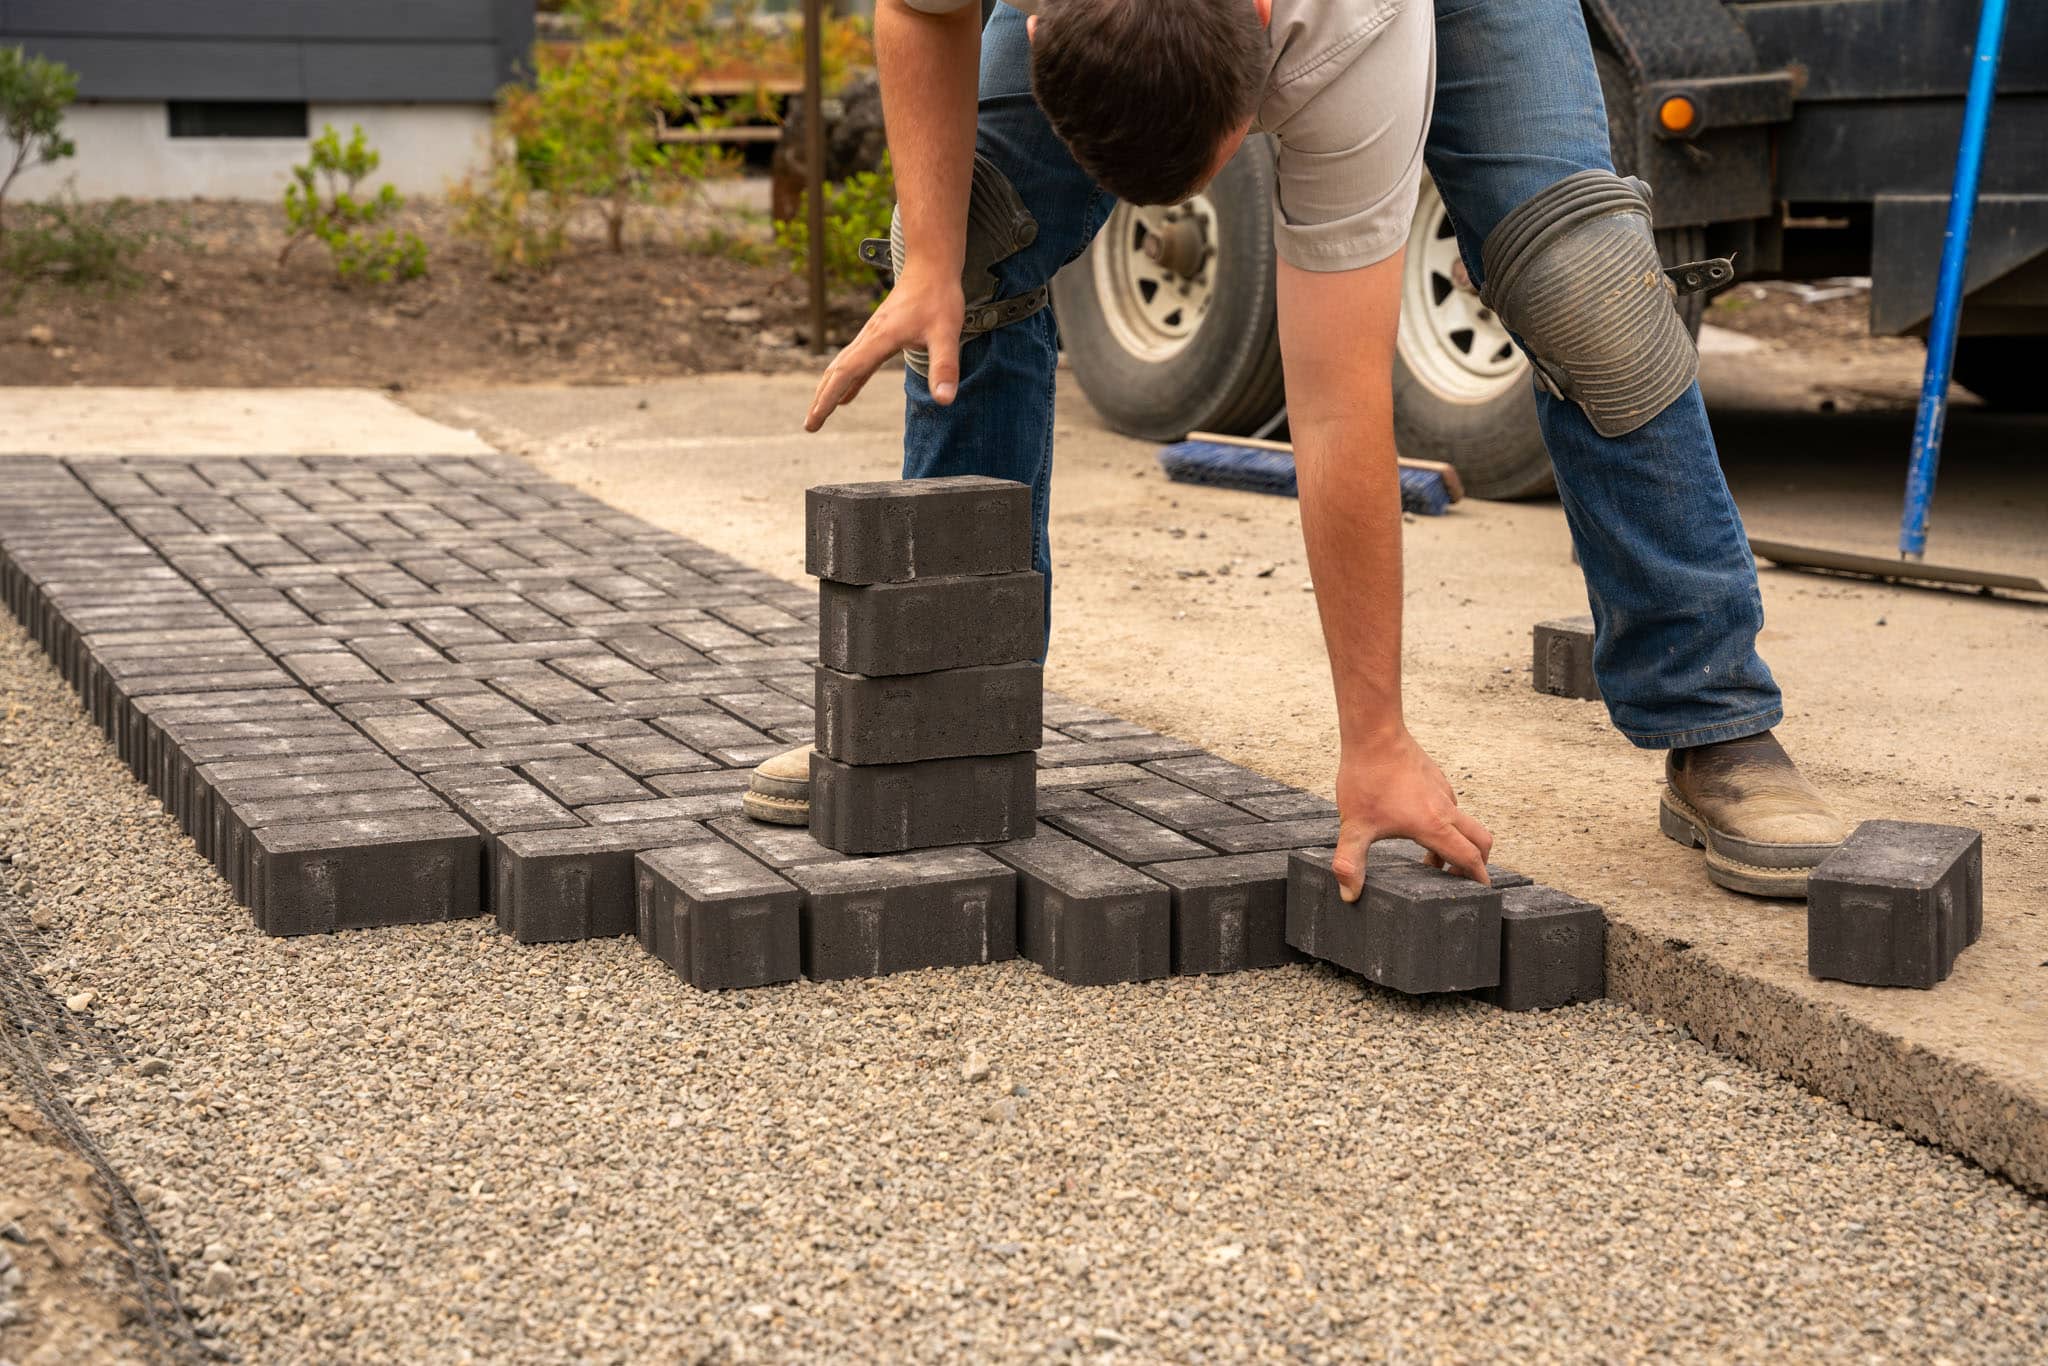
{"points": [[1428, 487]]}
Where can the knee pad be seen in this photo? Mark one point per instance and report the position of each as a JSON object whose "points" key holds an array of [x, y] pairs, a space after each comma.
{"points": [[1574, 273], [998, 227]]}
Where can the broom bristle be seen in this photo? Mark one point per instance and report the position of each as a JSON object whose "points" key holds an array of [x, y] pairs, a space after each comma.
{"points": [[1262, 471]]}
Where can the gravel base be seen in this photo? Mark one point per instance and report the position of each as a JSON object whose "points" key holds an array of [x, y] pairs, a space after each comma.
{"points": [[431, 1143]]}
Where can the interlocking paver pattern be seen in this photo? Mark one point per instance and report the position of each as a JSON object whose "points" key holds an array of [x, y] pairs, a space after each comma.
{"points": [[377, 691]]}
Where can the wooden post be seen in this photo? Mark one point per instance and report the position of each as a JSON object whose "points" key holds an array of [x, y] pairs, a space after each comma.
{"points": [[814, 161]]}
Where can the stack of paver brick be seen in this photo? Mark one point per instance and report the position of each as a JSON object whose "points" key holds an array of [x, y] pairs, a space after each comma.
{"points": [[929, 703]]}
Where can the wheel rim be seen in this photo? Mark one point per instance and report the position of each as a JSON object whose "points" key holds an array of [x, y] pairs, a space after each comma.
{"points": [[1155, 274], [1448, 337]]}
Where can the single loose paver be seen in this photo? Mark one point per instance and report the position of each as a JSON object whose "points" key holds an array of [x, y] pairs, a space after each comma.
{"points": [[1896, 904], [1563, 663]]}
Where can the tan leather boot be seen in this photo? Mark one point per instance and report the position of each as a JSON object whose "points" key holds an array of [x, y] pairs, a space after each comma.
{"points": [[1764, 827], [780, 790]]}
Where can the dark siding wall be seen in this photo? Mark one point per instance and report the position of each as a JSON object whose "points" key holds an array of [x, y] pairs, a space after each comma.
{"points": [[331, 50]]}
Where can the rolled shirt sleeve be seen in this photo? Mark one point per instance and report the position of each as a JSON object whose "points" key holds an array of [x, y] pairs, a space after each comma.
{"points": [[1350, 148]]}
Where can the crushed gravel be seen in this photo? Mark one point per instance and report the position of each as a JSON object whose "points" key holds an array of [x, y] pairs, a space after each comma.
{"points": [[433, 1144]]}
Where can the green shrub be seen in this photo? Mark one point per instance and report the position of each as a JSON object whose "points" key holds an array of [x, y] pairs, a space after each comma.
{"points": [[33, 96], [77, 244], [321, 202], [855, 208], [587, 133]]}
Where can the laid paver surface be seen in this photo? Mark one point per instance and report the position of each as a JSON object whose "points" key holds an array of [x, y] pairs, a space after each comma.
{"points": [[457, 679]]}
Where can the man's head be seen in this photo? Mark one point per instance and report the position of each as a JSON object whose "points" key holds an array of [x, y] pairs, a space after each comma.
{"points": [[1151, 96]]}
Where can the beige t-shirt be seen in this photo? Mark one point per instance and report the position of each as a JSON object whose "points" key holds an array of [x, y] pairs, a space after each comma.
{"points": [[1348, 97]]}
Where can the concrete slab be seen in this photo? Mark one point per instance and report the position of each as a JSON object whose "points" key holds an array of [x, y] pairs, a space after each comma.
{"points": [[229, 422], [1874, 678]]}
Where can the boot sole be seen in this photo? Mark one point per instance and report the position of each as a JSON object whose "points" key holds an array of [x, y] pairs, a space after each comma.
{"points": [[1681, 823], [776, 810]]}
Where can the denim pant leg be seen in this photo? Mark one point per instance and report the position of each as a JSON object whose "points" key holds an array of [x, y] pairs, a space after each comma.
{"points": [[1000, 421], [1668, 568]]}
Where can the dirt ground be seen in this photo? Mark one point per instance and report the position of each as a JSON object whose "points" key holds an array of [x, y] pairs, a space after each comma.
{"points": [[61, 1296], [213, 307]]}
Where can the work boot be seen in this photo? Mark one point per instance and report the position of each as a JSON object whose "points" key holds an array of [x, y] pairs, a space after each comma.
{"points": [[780, 790], [1764, 826]]}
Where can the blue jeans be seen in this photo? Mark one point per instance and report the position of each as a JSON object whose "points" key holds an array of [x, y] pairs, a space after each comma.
{"points": [[1668, 570]]}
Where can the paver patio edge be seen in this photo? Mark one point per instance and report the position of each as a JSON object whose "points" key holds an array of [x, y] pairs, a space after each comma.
{"points": [[1880, 1076]]}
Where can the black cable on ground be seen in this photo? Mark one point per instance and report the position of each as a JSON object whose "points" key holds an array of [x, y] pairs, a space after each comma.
{"points": [[36, 1029]]}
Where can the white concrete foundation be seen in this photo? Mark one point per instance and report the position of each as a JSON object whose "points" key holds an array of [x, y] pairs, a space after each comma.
{"points": [[126, 149]]}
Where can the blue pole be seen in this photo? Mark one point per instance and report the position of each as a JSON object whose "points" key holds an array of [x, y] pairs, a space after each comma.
{"points": [[1948, 290]]}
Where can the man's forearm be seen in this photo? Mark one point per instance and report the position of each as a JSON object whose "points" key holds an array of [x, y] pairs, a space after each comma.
{"points": [[927, 67], [1339, 390]]}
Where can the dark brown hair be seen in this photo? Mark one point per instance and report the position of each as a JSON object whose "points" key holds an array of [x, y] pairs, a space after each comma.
{"points": [[1143, 92]]}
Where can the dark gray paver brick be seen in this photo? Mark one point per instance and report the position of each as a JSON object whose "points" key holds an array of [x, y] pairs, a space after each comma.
{"points": [[1052, 799], [1553, 951], [1228, 913], [1415, 930], [1171, 804], [1304, 833], [1214, 777], [722, 920], [1126, 835], [1896, 904], [992, 709], [1286, 805], [584, 780], [710, 780], [414, 730], [886, 808], [1148, 746], [506, 807], [928, 624], [404, 869], [933, 908], [1093, 777], [1563, 664], [555, 885], [700, 806], [643, 756], [778, 846], [1084, 917], [909, 529]]}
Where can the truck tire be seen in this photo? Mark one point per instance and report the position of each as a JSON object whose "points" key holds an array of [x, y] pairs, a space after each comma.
{"points": [[1462, 392], [1168, 319], [2005, 371]]}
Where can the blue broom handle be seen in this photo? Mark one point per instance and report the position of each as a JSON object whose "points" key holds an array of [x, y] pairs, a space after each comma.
{"points": [[1948, 291]]}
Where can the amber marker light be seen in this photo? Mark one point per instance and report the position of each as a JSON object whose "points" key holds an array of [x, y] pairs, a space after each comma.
{"points": [[1677, 114]]}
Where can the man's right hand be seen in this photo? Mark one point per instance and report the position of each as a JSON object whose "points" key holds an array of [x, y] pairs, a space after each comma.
{"points": [[922, 312], [1391, 788]]}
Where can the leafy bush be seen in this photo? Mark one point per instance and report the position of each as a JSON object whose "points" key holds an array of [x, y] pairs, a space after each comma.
{"points": [[588, 132], [586, 136], [33, 96], [77, 243], [855, 208], [321, 202]]}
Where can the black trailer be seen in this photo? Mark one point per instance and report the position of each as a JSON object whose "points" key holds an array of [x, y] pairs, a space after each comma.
{"points": [[1807, 138]]}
